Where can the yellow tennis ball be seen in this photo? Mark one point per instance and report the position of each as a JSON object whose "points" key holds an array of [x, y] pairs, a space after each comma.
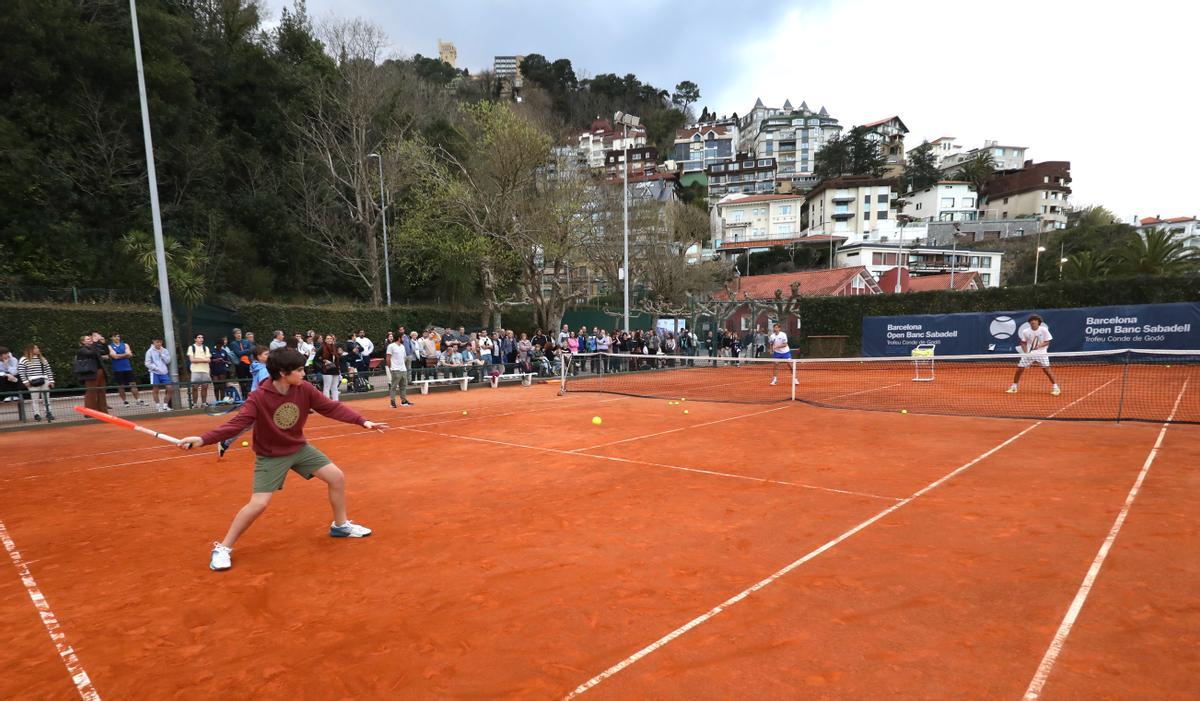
{"points": [[904, 411], [685, 411], [683, 399], [596, 420], [245, 444], [464, 412]]}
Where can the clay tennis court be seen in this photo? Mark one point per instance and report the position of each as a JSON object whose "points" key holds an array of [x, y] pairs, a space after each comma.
{"points": [[773, 550]]}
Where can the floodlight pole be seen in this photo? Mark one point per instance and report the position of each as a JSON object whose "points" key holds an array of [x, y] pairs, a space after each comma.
{"points": [[164, 290], [625, 227]]}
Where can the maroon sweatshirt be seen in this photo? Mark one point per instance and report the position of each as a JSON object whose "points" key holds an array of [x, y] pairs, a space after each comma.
{"points": [[278, 419]]}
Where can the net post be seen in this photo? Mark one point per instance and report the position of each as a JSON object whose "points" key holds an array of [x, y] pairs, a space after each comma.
{"points": [[562, 386], [795, 379], [1124, 382]]}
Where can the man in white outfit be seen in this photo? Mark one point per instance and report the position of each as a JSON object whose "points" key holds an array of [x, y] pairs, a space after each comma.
{"points": [[1034, 348]]}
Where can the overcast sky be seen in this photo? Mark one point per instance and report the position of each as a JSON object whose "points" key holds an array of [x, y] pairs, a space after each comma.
{"points": [[1110, 87]]}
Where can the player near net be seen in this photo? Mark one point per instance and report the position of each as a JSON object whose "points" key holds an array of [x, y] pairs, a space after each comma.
{"points": [[1034, 348], [278, 410], [779, 351]]}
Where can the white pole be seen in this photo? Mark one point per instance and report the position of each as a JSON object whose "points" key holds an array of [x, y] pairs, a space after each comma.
{"points": [[1037, 257], [899, 251], [387, 264], [625, 181], [953, 260], [164, 289]]}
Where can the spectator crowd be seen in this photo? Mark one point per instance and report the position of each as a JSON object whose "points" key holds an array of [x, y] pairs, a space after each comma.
{"points": [[228, 365]]}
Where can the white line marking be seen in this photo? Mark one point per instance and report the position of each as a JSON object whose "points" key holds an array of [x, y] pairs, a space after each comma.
{"points": [[681, 428], [863, 391], [631, 461], [82, 683], [788, 568], [1064, 629]]}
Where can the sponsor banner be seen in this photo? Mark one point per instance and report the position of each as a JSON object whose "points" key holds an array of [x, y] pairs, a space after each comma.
{"points": [[1152, 326]]}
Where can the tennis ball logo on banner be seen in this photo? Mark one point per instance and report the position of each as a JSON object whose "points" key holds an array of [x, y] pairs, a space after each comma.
{"points": [[1003, 327]]}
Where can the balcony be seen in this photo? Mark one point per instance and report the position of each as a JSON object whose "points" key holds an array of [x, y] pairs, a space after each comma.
{"points": [[844, 197], [842, 214]]}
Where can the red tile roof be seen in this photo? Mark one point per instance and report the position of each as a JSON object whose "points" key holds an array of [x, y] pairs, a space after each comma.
{"points": [[813, 283], [1172, 220], [768, 243], [689, 132], [760, 198], [962, 282]]}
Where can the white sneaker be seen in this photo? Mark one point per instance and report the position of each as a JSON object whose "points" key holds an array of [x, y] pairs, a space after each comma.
{"points": [[774, 380], [349, 529], [1055, 390], [795, 381], [221, 559], [1011, 390]]}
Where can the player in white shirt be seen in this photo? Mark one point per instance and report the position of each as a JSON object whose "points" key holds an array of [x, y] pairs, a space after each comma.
{"points": [[397, 362], [780, 351], [1034, 348]]}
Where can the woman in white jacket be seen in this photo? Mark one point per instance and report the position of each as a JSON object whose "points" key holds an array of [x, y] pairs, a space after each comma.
{"points": [[38, 377]]}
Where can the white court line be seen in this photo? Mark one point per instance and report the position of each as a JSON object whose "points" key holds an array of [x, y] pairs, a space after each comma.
{"points": [[809, 556], [863, 391], [681, 428], [1044, 669], [66, 653], [591, 683], [558, 451]]}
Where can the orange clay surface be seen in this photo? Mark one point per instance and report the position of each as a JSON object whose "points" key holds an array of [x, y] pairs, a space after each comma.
{"points": [[521, 551]]}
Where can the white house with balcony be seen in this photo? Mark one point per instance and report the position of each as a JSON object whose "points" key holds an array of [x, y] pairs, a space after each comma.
{"points": [[923, 260], [1004, 157], [1186, 230], [857, 208], [740, 218], [944, 201]]}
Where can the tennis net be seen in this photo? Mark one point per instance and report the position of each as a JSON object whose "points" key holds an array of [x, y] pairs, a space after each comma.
{"points": [[1121, 385]]}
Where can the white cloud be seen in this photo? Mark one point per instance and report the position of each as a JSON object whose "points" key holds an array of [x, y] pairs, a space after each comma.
{"points": [[1110, 87]]}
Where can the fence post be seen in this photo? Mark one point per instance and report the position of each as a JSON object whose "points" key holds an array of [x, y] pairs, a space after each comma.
{"points": [[1124, 381], [75, 294]]}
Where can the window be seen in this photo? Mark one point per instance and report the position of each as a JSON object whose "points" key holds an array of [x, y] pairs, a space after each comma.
{"points": [[866, 215], [764, 163], [785, 210], [1044, 209], [1004, 214], [1046, 179], [866, 199], [882, 198], [985, 278], [918, 206], [948, 203], [733, 166], [718, 169], [737, 216], [968, 202], [881, 214], [784, 229], [999, 153], [1006, 202]]}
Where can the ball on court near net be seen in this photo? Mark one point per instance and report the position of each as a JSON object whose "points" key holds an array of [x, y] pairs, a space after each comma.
{"points": [[596, 420], [904, 411], [685, 411], [464, 412], [245, 444]]}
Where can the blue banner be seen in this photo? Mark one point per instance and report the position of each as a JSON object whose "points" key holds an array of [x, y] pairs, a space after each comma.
{"points": [[1151, 326]]}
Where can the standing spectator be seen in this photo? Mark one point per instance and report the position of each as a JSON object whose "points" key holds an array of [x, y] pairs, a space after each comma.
{"points": [[90, 371], [309, 349], [364, 361], [219, 368], [564, 335], [122, 368], [10, 376], [760, 342], [36, 374], [429, 353], [397, 364], [486, 346], [158, 362], [508, 348], [591, 344], [573, 343], [277, 340], [200, 364], [329, 360], [524, 348], [603, 344], [241, 349], [670, 349]]}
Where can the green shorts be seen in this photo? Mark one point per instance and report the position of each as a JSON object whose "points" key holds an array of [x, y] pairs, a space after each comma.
{"points": [[269, 472]]}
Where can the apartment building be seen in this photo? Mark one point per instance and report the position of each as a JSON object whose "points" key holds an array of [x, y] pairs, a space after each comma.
{"points": [[699, 145], [856, 207], [889, 134], [643, 160], [756, 218], [944, 201], [743, 173], [1004, 158], [1184, 229], [602, 138], [792, 136], [1036, 191], [942, 148]]}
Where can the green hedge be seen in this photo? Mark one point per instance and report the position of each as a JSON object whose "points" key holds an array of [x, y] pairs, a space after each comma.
{"points": [[56, 329], [843, 315]]}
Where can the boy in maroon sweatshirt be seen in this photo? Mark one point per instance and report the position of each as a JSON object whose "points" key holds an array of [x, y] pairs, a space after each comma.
{"points": [[278, 410]]}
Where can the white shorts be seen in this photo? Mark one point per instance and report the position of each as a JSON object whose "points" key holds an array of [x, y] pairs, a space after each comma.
{"points": [[1028, 359]]}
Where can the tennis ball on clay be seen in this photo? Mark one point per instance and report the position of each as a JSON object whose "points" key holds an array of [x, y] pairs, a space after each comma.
{"points": [[685, 411], [596, 420], [245, 444], [683, 399], [464, 412], [904, 411]]}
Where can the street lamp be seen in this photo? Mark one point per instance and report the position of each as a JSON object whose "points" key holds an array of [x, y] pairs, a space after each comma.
{"points": [[1036, 259], [626, 121], [387, 263]]}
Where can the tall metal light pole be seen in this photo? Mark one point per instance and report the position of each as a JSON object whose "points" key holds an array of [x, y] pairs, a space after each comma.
{"points": [[387, 262], [626, 121], [164, 289], [1037, 257]]}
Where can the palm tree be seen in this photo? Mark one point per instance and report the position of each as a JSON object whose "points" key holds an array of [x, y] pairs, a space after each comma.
{"points": [[1156, 252], [185, 268], [978, 170], [1086, 265]]}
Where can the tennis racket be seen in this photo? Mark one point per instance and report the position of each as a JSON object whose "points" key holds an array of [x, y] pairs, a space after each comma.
{"points": [[231, 401], [123, 423]]}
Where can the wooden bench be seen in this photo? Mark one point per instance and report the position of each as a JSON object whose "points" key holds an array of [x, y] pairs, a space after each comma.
{"points": [[526, 378], [461, 381]]}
